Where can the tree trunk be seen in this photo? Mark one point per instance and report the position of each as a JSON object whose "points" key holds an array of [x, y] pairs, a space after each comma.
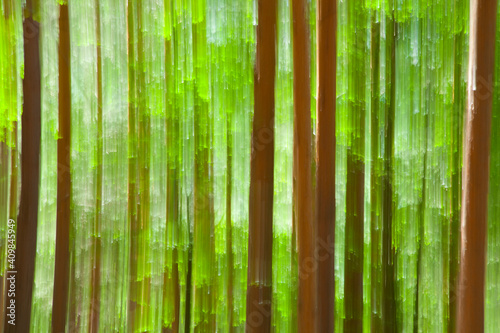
{"points": [[260, 228], [30, 175], [325, 161], [302, 160], [61, 276], [475, 177]]}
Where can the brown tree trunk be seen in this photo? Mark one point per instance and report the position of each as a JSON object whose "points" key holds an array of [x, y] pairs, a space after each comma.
{"points": [[475, 175], [325, 161], [260, 228], [61, 275], [30, 162], [302, 159]]}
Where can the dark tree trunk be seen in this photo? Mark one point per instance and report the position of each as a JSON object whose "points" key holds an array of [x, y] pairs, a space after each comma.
{"points": [[30, 175], [325, 161], [61, 276]]}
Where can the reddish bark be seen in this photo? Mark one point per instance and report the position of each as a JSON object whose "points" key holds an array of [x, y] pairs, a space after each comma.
{"points": [[475, 177], [307, 283], [260, 229]]}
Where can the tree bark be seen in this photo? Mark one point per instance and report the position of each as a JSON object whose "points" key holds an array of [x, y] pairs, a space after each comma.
{"points": [[307, 284], [475, 177], [61, 276], [325, 161], [260, 228], [30, 175]]}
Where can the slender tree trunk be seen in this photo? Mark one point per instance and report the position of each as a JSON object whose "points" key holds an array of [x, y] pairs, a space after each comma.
{"points": [[96, 240], [325, 161], [260, 228], [61, 276], [30, 163], [475, 177], [307, 289]]}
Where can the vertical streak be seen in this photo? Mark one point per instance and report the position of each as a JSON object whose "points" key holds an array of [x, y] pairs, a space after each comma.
{"points": [[189, 276], [475, 177], [61, 276], [325, 161], [30, 176], [204, 237], [143, 196], [132, 168], [4, 189], [260, 228], [302, 166], [455, 182], [96, 239], [355, 180], [376, 293], [229, 229], [388, 250], [171, 280]]}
